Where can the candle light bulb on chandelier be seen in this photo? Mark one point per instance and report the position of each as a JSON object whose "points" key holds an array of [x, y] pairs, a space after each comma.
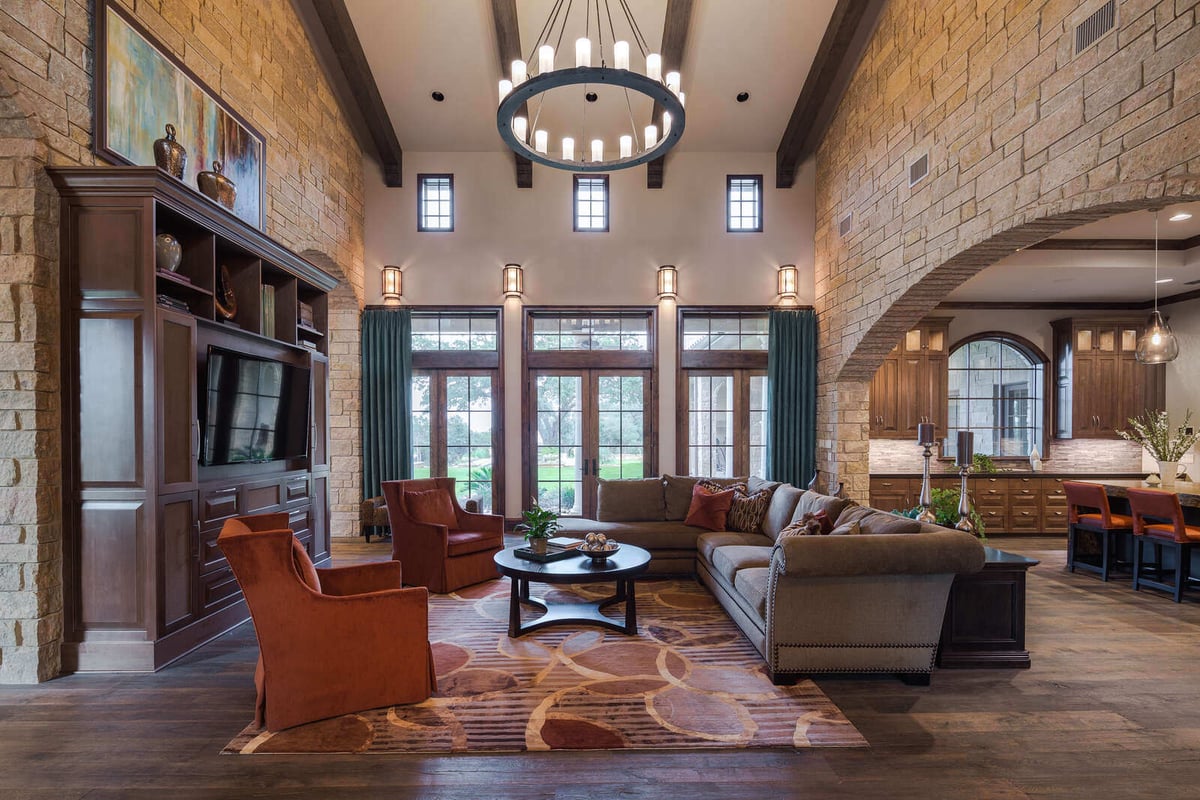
{"points": [[541, 140], [583, 52], [597, 150], [666, 123], [621, 55], [673, 82], [518, 72], [654, 67], [505, 89], [520, 127], [651, 136], [568, 149], [626, 146], [545, 59]]}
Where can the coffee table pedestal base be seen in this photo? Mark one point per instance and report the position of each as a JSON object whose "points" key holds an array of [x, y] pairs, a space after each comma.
{"points": [[572, 613]]}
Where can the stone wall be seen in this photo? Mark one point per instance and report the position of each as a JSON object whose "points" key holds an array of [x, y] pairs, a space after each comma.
{"points": [[1024, 140], [256, 56]]}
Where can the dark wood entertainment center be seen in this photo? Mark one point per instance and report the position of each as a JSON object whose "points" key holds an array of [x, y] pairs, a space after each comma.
{"points": [[144, 581]]}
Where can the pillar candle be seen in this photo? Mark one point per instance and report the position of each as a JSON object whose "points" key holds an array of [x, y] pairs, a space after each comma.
{"points": [[966, 449], [925, 433]]}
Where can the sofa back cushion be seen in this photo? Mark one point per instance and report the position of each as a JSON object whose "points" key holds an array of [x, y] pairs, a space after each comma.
{"points": [[677, 493], [812, 502], [878, 522], [631, 501], [434, 507], [780, 510]]}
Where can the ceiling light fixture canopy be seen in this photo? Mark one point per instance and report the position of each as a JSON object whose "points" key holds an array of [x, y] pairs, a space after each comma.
{"points": [[522, 90], [1157, 345]]}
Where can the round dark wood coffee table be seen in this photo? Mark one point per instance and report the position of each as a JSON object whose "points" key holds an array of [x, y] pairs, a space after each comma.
{"points": [[622, 567]]}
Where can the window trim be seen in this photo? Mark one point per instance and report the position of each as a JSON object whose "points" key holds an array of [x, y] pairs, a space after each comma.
{"points": [[462, 359], [729, 179], [1035, 354], [575, 203], [421, 178], [741, 416]]}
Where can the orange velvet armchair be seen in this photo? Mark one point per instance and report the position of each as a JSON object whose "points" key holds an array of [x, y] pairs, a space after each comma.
{"points": [[438, 556], [331, 641]]}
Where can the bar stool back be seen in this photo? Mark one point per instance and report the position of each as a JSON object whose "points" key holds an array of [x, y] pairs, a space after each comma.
{"points": [[1088, 510], [1158, 519]]}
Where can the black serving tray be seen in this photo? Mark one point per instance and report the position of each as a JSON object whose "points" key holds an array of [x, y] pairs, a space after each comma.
{"points": [[551, 554]]}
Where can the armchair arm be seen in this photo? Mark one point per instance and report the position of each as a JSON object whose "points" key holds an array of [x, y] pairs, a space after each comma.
{"points": [[360, 579], [483, 523], [878, 554]]}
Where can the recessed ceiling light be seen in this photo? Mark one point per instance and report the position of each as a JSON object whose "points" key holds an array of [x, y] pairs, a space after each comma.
{"points": [[743, 97], [1164, 280], [438, 96], [1180, 217], [590, 97]]}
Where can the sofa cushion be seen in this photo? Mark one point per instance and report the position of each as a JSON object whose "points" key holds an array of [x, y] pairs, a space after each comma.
{"points": [[780, 509], [460, 543], [730, 560], [650, 535], [812, 502], [709, 509], [433, 507], [677, 491], [707, 543], [751, 584], [748, 510], [851, 528], [754, 484], [872, 521], [631, 501]]}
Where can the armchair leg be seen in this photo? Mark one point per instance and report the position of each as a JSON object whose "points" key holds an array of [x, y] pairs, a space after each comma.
{"points": [[1071, 548], [1137, 562], [1105, 548], [784, 678]]}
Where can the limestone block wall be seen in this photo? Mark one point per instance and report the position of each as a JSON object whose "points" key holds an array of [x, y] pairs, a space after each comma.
{"points": [[1024, 139], [256, 56]]}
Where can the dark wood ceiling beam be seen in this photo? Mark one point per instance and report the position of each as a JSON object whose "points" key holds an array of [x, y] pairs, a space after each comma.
{"points": [[675, 31], [836, 58], [356, 87], [508, 37]]}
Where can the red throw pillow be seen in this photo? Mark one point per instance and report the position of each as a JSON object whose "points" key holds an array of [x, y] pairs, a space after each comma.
{"points": [[433, 507], [709, 509], [822, 519]]}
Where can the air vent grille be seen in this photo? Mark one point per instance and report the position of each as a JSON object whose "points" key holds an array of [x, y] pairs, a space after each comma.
{"points": [[1092, 29], [918, 169], [847, 224]]}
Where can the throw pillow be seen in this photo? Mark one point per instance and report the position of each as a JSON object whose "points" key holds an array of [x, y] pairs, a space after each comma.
{"points": [[748, 510], [800, 528], [712, 486], [849, 529], [709, 509], [433, 507]]}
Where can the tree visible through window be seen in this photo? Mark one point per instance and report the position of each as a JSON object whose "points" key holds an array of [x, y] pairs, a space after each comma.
{"points": [[996, 390]]}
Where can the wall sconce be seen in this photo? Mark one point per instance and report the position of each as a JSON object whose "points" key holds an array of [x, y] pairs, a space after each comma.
{"points": [[787, 280], [668, 281], [514, 280], [392, 283]]}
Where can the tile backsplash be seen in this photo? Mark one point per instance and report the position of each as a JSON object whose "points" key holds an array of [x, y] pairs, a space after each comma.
{"points": [[1065, 455]]}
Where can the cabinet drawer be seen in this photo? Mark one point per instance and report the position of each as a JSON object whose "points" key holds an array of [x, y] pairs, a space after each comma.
{"points": [[995, 519], [262, 498], [218, 504], [1024, 520], [211, 557], [295, 489], [218, 590]]}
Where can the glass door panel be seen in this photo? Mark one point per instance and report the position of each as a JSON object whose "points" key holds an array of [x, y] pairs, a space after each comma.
{"points": [[757, 408], [453, 431], [422, 450], [710, 425], [559, 421], [620, 408]]}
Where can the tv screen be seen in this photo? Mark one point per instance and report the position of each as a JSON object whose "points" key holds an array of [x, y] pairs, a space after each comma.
{"points": [[255, 409]]}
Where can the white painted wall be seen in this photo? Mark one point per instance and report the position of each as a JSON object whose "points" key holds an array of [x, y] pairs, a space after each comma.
{"points": [[681, 224]]}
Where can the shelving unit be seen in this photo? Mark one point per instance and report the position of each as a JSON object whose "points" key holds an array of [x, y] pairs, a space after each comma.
{"points": [[144, 581]]}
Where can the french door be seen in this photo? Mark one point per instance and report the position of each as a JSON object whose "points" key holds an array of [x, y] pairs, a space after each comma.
{"points": [[455, 431], [586, 424]]}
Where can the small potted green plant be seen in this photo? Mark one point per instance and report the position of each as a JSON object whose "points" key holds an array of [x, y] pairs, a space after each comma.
{"points": [[1153, 432], [539, 525], [945, 507]]}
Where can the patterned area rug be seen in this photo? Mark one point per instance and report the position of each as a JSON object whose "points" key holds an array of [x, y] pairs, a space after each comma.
{"points": [[688, 680]]}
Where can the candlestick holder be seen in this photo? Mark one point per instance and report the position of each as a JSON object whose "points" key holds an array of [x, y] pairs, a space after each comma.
{"points": [[964, 503], [926, 500]]}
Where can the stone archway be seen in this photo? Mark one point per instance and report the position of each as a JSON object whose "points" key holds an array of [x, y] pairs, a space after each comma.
{"points": [[844, 391], [31, 592], [345, 403]]}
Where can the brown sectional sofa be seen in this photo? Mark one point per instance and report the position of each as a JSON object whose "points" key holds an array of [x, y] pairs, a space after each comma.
{"points": [[871, 602]]}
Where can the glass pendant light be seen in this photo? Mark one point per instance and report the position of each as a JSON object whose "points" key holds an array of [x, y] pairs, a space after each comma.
{"points": [[1157, 345]]}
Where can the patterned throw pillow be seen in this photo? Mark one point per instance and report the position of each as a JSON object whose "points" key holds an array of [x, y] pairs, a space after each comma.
{"points": [[748, 510], [712, 487], [709, 508], [848, 529], [817, 524]]}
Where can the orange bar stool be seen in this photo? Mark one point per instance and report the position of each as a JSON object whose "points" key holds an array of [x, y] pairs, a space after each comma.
{"points": [[1158, 519], [1087, 510]]}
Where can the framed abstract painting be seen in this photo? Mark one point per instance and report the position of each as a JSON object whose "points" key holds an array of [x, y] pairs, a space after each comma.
{"points": [[141, 88]]}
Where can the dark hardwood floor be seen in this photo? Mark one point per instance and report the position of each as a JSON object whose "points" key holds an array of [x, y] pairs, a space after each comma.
{"points": [[1111, 708]]}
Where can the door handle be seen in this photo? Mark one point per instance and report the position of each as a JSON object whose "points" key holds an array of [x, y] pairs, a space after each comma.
{"points": [[196, 541], [595, 469], [584, 467], [195, 439]]}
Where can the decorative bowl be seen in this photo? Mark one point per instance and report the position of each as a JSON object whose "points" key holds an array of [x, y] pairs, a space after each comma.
{"points": [[600, 554]]}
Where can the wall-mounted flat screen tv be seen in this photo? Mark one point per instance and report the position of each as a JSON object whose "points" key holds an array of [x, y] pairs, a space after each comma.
{"points": [[255, 409]]}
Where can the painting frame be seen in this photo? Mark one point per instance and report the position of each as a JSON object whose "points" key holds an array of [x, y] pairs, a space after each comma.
{"points": [[122, 139]]}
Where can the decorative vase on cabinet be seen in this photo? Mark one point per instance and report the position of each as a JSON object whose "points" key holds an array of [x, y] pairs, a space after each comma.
{"points": [[1167, 470]]}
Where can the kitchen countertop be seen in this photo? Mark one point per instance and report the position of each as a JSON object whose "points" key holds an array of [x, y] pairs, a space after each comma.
{"points": [[1189, 492]]}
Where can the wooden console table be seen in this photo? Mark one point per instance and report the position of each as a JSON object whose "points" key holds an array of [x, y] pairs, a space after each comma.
{"points": [[984, 624]]}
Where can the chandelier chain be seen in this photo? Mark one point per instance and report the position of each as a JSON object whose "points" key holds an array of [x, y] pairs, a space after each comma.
{"points": [[1156, 261], [638, 38], [542, 37]]}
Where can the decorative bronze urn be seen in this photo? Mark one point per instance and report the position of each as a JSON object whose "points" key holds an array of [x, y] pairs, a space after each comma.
{"points": [[169, 154], [217, 186]]}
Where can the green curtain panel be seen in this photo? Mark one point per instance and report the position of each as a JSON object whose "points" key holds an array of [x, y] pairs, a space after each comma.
{"points": [[386, 398], [792, 386]]}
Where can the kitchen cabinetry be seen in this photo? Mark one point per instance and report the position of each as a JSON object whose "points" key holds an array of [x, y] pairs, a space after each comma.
{"points": [[143, 579], [1098, 382], [910, 386]]}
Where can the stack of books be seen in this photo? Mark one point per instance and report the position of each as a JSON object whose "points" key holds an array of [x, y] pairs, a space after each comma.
{"points": [[268, 310]]}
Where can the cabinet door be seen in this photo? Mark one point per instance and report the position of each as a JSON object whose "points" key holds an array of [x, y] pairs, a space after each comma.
{"points": [[894, 494], [178, 540], [884, 394], [910, 395], [1106, 392], [319, 517], [319, 429], [935, 387], [1084, 399], [175, 389]]}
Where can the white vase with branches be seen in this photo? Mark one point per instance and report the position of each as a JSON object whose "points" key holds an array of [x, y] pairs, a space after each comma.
{"points": [[1153, 432]]}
